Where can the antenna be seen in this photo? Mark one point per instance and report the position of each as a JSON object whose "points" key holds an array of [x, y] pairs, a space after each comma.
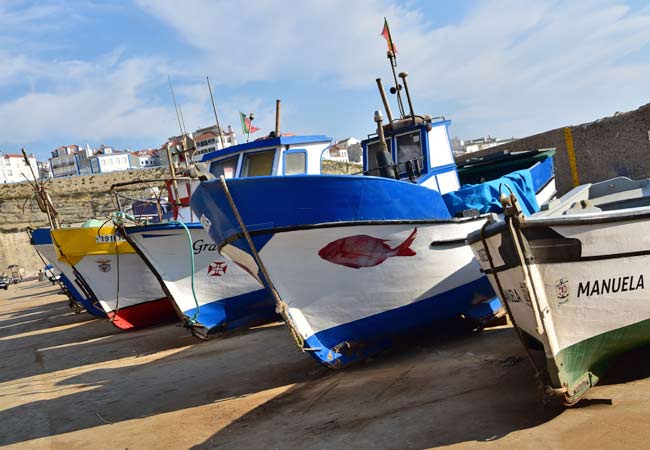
{"points": [[180, 110], [175, 105], [216, 117]]}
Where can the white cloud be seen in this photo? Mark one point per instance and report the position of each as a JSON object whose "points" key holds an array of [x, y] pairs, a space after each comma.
{"points": [[536, 65], [504, 68]]}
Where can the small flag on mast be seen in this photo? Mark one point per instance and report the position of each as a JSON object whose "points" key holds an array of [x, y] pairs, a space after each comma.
{"points": [[386, 34], [246, 125]]}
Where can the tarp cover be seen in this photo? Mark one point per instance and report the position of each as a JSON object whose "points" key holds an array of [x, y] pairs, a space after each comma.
{"points": [[485, 196]]}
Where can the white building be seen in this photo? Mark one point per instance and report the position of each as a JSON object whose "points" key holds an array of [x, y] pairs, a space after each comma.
{"points": [[64, 161], [13, 168], [475, 145], [207, 140], [345, 150], [143, 159], [44, 169], [109, 160]]}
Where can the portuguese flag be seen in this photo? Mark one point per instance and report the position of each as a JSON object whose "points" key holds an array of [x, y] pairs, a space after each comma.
{"points": [[246, 125], [386, 34]]}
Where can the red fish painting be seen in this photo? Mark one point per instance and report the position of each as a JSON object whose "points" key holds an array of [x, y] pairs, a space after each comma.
{"points": [[364, 251]]}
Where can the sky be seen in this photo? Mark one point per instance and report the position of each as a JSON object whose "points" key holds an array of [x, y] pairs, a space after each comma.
{"points": [[96, 72]]}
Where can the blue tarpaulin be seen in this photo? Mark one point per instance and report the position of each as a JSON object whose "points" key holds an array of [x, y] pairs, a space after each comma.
{"points": [[485, 196]]}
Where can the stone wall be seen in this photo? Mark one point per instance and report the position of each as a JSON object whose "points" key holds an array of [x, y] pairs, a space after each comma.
{"points": [[76, 199], [607, 148]]}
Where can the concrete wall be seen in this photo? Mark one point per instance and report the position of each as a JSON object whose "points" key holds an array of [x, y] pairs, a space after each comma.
{"points": [[76, 199], [607, 148]]}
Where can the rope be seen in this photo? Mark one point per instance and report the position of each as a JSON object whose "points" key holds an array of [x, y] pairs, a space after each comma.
{"points": [[281, 305], [504, 300], [191, 320], [118, 218]]}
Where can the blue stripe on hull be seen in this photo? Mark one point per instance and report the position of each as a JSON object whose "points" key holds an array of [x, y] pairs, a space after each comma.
{"points": [[297, 200], [42, 236], [372, 334], [76, 295], [241, 311]]}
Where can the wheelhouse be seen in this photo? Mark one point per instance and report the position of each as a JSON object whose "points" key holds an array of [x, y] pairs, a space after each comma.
{"points": [[421, 152], [282, 155]]}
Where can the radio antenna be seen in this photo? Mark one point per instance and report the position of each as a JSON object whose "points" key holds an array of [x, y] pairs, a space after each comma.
{"points": [[178, 117], [216, 117]]}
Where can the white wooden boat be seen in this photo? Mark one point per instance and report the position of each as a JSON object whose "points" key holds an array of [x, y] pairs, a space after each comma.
{"points": [[576, 278]]}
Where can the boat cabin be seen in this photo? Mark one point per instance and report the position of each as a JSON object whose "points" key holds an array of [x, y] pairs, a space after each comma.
{"points": [[421, 151], [273, 156]]}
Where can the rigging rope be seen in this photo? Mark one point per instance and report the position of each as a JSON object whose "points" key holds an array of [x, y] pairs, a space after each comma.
{"points": [[191, 320]]}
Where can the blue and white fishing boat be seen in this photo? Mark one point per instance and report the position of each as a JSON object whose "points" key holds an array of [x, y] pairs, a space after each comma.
{"points": [[211, 293], [354, 262], [78, 290]]}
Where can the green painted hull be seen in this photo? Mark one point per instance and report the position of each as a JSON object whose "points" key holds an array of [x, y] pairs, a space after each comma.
{"points": [[580, 366]]}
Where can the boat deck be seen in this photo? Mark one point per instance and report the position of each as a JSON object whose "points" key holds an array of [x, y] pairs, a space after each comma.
{"points": [[74, 382]]}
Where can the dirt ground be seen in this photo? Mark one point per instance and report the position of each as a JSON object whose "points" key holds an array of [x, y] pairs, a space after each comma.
{"points": [[69, 381]]}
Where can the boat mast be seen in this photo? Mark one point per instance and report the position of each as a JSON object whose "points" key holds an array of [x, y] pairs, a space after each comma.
{"points": [[42, 197], [216, 117]]}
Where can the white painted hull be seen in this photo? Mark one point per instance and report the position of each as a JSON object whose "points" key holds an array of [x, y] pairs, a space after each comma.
{"points": [[119, 281], [217, 280], [326, 298], [583, 309]]}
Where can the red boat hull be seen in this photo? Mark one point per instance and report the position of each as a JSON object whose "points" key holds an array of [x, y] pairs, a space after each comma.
{"points": [[144, 315]]}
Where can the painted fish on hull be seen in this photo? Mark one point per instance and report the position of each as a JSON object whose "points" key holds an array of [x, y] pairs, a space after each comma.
{"points": [[364, 251]]}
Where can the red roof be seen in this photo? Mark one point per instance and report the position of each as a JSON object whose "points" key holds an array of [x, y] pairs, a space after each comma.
{"points": [[15, 155], [149, 151], [206, 135]]}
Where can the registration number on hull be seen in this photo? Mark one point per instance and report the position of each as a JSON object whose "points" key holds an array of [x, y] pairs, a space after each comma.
{"points": [[101, 239]]}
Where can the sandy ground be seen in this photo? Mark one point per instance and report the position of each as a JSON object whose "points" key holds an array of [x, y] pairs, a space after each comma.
{"points": [[69, 381]]}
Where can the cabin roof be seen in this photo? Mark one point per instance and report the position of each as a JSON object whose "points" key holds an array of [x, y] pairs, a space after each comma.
{"points": [[373, 137], [266, 143]]}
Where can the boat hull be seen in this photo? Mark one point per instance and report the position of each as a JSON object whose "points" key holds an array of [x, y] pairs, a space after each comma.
{"points": [[411, 272], [125, 287], [42, 242], [227, 298], [589, 283]]}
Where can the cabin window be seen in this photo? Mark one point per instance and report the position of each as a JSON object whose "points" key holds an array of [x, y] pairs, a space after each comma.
{"points": [[373, 149], [258, 164], [409, 147], [225, 167], [295, 162]]}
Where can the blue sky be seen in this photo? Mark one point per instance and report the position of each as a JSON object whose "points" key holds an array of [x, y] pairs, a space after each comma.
{"points": [[91, 71]]}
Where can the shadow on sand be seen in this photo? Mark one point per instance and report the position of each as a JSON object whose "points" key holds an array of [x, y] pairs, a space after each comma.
{"points": [[439, 390], [197, 375]]}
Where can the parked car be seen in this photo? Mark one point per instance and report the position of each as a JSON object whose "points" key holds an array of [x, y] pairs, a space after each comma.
{"points": [[4, 283]]}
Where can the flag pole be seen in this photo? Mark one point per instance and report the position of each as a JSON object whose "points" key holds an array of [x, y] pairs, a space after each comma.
{"points": [[393, 65]]}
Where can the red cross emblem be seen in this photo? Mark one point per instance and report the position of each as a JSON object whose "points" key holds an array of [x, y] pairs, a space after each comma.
{"points": [[216, 269]]}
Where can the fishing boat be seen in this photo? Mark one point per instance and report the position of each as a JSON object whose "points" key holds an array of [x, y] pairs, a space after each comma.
{"points": [[75, 286], [212, 294], [573, 276], [124, 286], [356, 262]]}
